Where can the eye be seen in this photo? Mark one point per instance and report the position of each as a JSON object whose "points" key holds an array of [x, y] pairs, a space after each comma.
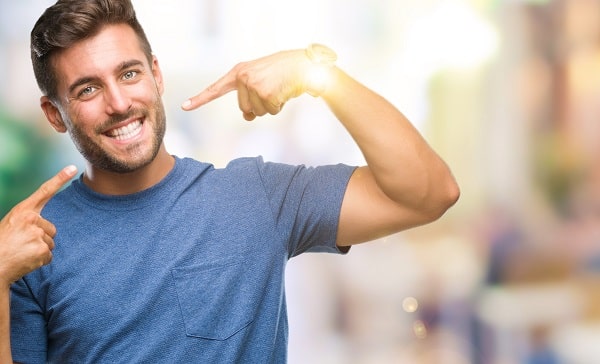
{"points": [[87, 91], [129, 75]]}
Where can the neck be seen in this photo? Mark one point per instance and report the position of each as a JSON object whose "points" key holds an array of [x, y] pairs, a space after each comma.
{"points": [[111, 183]]}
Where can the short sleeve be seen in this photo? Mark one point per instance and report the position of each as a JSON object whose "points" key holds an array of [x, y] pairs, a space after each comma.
{"points": [[306, 203], [28, 326]]}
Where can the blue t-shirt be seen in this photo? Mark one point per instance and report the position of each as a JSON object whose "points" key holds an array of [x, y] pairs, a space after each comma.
{"points": [[188, 271]]}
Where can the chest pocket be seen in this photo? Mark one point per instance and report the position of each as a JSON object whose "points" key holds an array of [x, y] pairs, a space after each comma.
{"points": [[216, 299]]}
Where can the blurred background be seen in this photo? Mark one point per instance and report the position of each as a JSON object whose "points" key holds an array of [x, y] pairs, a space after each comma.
{"points": [[507, 91]]}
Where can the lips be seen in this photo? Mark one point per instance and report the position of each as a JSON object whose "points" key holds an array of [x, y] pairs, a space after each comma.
{"points": [[125, 132]]}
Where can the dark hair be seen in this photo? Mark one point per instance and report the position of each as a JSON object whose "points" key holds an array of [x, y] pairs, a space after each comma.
{"points": [[70, 21]]}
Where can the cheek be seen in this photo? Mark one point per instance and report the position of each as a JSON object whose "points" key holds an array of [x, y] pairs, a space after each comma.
{"points": [[150, 92], [82, 117]]}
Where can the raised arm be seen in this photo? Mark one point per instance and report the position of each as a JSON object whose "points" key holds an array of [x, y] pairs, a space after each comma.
{"points": [[404, 184], [26, 243]]}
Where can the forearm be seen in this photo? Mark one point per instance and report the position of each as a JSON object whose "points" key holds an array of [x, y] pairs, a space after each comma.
{"points": [[405, 167], [5, 352]]}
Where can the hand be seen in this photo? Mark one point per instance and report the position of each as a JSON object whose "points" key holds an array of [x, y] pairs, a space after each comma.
{"points": [[263, 85], [26, 238]]}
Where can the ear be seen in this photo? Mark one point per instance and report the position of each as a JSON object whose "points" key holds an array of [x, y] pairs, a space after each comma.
{"points": [[53, 114], [157, 73]]}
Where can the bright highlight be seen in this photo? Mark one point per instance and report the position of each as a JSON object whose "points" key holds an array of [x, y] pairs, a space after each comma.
{"points": [[318, 79]]}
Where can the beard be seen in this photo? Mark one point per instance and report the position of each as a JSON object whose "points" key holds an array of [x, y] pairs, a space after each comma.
{"points": [[137, 155]]}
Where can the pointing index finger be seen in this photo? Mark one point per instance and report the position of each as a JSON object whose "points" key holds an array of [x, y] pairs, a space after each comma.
{"points": [[224, 85], [42, 195]]}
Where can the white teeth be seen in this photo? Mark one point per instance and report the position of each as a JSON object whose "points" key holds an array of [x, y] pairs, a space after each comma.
{"points": [[127, 131]]}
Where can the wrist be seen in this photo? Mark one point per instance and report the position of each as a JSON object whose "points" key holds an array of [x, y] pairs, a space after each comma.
{"points": [[319, 74], [321, 54], [5, 277], [5, 286]]}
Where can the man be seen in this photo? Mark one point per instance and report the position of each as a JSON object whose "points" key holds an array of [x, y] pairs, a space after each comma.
{"points": [[165, 259]]}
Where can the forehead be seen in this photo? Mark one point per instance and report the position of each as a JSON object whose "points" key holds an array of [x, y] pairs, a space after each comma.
{"points": [[98, 55]]}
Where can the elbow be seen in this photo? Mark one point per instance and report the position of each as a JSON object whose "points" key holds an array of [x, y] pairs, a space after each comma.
{"points": [[452, 194], [444, 197]]}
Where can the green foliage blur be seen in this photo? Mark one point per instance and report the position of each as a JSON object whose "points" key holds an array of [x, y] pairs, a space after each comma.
{"points": [[24, 157]]}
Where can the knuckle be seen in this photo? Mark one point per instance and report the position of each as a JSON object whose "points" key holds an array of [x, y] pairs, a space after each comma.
{"points": [[45, 189], [51, 230], [40, 250], [26, 217], [242, 74], [212, 88], [37, 231], [47, 258], [42, 254], [239, 67], [31, 216]]}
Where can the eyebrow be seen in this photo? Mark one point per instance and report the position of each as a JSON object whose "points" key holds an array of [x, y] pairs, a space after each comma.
{"points": [[121, 67]]}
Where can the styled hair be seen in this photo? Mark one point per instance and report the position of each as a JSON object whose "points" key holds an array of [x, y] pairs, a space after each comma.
{"points": [[70, 21]]}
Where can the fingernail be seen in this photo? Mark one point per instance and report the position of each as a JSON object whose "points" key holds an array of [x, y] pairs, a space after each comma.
{"points": [[186, 104], [70, 169]]}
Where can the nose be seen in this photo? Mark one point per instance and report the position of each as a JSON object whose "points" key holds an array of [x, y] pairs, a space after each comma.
{"points": [[116, 99]]}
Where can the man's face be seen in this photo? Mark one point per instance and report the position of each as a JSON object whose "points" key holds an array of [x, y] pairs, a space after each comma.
{"points": [[110, 100]]}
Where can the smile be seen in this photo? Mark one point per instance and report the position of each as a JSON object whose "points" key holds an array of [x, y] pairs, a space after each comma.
{"points": [[128, 131]]}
